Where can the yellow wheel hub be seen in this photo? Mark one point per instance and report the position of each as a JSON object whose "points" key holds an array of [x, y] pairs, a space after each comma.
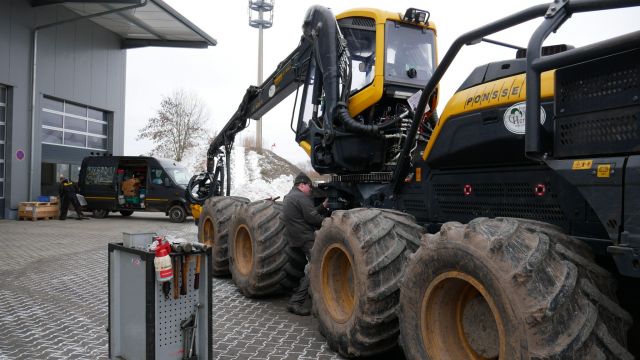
{"points": [[338, 282], [459, 319], [207, 232], [243, 254]]}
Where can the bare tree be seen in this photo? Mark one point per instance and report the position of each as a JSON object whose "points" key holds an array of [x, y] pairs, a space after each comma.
{"points": [[178, 125]]}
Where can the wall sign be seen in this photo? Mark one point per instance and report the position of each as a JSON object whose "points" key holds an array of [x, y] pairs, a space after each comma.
{"points": [[20, 154]]}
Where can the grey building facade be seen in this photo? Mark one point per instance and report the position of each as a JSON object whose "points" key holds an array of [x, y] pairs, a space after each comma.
{"points": [[62, 84]]}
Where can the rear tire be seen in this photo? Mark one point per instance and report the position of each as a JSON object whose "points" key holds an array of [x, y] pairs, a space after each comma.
{"points": [[177, 213], [257, 250], [126, 212], [213, 229], [509, 289], [100, 213], [357, 261]]}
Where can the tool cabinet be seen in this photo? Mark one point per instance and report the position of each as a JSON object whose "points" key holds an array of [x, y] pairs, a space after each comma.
{"points": [[143, 323]]}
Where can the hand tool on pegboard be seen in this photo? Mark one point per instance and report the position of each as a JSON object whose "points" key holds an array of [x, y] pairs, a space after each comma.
{"points": [[186, 249]]}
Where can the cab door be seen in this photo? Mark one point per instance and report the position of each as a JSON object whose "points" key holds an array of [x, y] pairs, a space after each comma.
{"points": [[98, 182], [160, 188]]}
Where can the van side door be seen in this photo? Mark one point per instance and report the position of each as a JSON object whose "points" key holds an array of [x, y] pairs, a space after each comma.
{"points": [[97, 182], [160, 188]]}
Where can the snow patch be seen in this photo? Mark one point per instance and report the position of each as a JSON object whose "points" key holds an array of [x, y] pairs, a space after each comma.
{"points": [[246, 178]]}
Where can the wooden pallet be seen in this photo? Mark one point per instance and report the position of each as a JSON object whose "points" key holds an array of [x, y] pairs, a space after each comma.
{"points": [[33, 211], [37, 218]]}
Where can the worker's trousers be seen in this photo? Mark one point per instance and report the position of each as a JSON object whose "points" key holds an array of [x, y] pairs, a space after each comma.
{"points": [[64, 206], [301, 293]]}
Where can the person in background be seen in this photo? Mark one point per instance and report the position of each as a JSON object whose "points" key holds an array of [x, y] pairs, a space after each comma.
{"points": [[301, 219], [68, 190]]}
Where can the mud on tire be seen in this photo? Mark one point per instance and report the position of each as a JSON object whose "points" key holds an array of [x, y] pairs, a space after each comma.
{"points": [[259, 260], [213, 229], [357, 261], [511, 289]]}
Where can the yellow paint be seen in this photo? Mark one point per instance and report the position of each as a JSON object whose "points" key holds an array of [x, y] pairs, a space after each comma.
{"points": [[418, 174], [100, 197], [304, 144], [581, 164], [604, 170], [195, 211], [496, 93], [156, 199], [371, 94]]}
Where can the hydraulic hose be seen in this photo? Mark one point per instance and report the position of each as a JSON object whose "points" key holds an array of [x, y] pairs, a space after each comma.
{"points": [[353, 125]]}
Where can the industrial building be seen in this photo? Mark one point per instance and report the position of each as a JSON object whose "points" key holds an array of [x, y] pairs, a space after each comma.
{"points": [[62, 84]]}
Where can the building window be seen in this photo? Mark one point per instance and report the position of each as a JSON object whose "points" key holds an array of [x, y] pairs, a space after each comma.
{"points": [[73, 125], [3, 136]]}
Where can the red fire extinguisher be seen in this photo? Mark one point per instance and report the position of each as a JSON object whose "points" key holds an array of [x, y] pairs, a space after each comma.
{"points": [[162, 261]]}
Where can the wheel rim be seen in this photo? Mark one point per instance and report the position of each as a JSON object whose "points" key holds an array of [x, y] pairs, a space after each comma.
{"points": [[207, 232], [338, 282], [243, 250], [459, 319], [176, 213]]}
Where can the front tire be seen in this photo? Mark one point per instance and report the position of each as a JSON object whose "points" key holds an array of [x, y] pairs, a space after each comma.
{"points": [[177, 213], [509, 289], [357, 261], [257, 250]]}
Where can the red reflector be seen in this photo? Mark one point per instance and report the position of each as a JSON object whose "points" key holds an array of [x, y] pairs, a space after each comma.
{"points": [[540, 190], [467, 190]]}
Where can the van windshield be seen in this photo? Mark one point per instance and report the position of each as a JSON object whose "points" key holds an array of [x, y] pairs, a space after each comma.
{"points": [[179, 175]]}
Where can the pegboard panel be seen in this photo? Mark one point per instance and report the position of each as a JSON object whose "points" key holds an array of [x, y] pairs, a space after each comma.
{"points": [[171, 312]]}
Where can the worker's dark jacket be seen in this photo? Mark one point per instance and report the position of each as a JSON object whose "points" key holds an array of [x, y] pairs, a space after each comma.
{"points": [[67, 188], [300, 217]]}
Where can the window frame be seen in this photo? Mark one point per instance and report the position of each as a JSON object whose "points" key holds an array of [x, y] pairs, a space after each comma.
{"points": [[86, 118], [3, 140]]}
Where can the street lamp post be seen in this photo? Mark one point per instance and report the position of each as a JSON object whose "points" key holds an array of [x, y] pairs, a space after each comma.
{"points": [[259, 8]]}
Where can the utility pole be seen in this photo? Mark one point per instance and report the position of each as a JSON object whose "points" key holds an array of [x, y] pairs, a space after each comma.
{"points": [[259, 8]]}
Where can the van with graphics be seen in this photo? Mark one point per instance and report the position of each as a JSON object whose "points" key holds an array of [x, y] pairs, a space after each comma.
{"points": [[134, 183]]}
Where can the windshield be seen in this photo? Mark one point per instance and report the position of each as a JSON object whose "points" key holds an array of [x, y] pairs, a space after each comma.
{"points": [[179, 175], [410, 55], [362, 48]]}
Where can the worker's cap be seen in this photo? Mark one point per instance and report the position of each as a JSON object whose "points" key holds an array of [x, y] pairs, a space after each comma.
{"points": [[302, 178]]}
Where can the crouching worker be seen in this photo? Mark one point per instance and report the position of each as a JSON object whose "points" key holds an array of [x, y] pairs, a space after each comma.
{"points": [[301, 219], [68, 190]]}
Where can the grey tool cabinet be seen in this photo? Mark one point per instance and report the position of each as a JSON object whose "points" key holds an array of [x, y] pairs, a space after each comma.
{"points": [[143, 324]]}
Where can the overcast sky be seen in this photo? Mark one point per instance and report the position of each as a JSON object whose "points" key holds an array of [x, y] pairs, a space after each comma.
{"points": [[221, 74]]}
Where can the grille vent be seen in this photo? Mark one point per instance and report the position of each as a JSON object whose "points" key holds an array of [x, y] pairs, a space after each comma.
{"points": [[606, 83], [601, 133], [362, 23], [516, 199]]}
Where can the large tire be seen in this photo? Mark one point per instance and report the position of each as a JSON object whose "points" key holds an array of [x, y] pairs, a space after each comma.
{"points": [[509, 289], [257, 250], [213, 229], [357, 261]]}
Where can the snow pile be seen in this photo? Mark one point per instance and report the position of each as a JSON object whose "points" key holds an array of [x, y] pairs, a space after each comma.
{"points": [[260, 176]]}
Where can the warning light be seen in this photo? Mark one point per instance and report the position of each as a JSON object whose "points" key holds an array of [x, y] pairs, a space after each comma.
{"points": [[540, 190], [467, 190]]}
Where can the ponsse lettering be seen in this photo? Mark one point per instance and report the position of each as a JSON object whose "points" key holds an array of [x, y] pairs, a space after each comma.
{"points": [[492, 95]]}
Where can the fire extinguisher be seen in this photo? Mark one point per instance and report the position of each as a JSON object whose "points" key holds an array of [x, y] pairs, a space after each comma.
{"points": [[162, 261]]}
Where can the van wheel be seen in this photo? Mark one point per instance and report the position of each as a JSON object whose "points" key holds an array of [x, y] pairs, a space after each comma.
{"points": [[126, 212], [177, 214], [100, 213]]}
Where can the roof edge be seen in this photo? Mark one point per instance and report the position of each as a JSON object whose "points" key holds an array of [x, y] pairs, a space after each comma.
{"points": [[164, 6]]}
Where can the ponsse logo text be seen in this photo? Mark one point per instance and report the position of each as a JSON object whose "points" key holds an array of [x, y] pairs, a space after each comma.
{"points": [[496, 92]]}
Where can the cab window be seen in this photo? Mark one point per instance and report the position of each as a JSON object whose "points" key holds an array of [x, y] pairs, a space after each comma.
{"points": [[158, 176], [409, 53]]}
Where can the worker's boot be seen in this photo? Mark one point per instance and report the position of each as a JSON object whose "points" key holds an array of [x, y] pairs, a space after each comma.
{"points": [[302, 309]]}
